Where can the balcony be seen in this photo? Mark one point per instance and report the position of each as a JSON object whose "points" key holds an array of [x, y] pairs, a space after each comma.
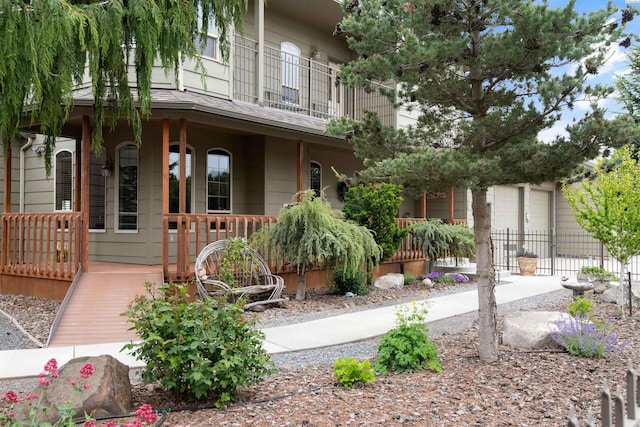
{"points": [[303, 85]]}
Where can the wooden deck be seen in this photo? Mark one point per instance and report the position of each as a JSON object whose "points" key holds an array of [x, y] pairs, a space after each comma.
{"points": [[92, 315]]}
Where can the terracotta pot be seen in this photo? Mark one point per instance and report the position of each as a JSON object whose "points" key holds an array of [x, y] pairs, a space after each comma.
{"points": [[527, 265]]}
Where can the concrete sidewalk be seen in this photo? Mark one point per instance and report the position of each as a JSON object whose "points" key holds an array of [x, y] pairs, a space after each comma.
{"points": [[325, 332]]}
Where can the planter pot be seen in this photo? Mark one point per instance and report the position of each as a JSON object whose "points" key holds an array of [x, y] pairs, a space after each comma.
{"points": [[527, 266]]}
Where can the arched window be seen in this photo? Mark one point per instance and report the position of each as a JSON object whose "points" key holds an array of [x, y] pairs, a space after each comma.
{"points": [[127, 197], [218, 181], [315, 177], [290, 56], [64, 181]]}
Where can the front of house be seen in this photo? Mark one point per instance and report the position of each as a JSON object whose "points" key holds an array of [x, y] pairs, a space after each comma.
{"points": [[221, 154]]}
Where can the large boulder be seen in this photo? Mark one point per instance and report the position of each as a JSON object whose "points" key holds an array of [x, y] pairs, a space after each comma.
{"points": [[530, 329], [614, 293], [107, 392], [390, 281]]}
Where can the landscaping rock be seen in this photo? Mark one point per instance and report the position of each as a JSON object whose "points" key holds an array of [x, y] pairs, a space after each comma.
{"points": [[390, 281], [613, 294], [427, 282], [105, 393], [530, 329]]}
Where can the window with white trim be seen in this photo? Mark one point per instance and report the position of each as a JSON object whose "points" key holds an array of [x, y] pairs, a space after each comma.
{"points": [[290, 57], [64, 181], [218, 181], [127, 170], [208, 42], [315, 177], [174, 180]]}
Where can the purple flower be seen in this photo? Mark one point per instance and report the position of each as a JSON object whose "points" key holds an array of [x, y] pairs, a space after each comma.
{"points": [[459, 278], [433, 275]]}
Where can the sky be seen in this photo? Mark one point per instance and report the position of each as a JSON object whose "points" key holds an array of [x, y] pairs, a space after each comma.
{"points": [[617, 65]]}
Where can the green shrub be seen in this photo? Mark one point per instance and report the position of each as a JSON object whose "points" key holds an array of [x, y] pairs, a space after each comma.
{"points": [[600, 274], [580, 306], [346, 280], [376, 207], [434, 237], [194, 348], [409, 279], [350, 372], [407, 347]]}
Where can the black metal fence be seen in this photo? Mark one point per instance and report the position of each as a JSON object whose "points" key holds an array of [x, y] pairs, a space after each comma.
{"points": [[560, 253]]}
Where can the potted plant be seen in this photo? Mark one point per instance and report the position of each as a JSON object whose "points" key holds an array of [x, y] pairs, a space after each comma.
{"points": [[527, 261]]}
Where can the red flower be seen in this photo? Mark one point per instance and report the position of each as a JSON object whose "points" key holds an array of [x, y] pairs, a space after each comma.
{"points": [[11, 396], [89, 423], [86, 371], [146, 413], [31, 396], [86, 386], [51, 366]]}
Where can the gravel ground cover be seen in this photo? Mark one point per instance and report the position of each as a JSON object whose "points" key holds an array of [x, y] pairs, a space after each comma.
{"points": [[524, 388]]}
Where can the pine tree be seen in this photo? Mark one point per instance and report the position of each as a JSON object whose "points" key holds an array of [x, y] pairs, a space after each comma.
{"points": [[47, 45], [484, 77]]}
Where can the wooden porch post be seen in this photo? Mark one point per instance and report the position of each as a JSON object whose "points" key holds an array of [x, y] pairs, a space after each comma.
{"points": [[300, 168], [165, 196], [182, 201], [451, 194], [423, 214], [7, 204], [7, 180], [84, 189]]}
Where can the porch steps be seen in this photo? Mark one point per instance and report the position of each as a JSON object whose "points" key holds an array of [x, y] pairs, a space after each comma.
{"points": [[92, 314]]}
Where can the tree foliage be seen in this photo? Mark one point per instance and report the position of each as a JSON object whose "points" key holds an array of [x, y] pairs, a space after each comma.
{"points": [[484, 78], [376, 207], [311, 234], [47, 46], [608, 206]]}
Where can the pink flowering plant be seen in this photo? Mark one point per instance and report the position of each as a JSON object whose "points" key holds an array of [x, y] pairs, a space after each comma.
{"points": [[145, 416]]}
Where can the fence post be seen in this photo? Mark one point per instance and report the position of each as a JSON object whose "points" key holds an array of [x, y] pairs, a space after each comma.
{"points": [[631, 392], [605, 404], [508, 252], [554, 245], [619, 407]]}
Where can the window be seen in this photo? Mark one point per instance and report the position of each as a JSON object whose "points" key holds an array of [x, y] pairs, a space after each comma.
{"points": [[174, 181], [218, 181], [64, 181], [315, 177], [127, 169], [97, 193], [290, 56], [207, 42]]}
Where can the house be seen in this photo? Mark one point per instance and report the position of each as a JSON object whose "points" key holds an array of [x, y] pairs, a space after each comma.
{"points": [[220, 155]]}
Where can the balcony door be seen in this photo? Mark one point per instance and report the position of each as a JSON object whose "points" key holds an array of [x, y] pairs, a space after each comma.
{"points": [[340, 97]]}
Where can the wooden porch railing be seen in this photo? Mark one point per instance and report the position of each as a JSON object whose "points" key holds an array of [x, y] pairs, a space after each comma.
{"points": [[44, 245], [186, 234]]}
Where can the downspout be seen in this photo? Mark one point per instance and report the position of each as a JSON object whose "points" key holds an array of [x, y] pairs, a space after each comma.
{"points": [[30, 138]]}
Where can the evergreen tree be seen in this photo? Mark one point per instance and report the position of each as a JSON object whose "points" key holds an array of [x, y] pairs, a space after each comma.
{"points": [[46, 47], [484, 77]]}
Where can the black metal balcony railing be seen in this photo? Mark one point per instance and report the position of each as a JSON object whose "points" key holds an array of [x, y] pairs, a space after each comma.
{"points": [[303, 85]]}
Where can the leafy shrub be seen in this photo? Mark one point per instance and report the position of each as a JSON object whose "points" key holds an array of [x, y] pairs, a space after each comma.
{"points": [[350, 372], [193, 347], [581, 337], [376, 207], [347, 280], [409, 279], [580, 306], [601, 274], [407, 347], [463, 243]]}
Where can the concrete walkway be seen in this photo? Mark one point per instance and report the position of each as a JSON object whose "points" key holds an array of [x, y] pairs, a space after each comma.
{"points": [[329, 331]]}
